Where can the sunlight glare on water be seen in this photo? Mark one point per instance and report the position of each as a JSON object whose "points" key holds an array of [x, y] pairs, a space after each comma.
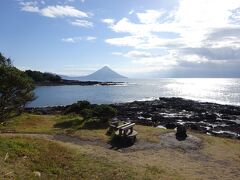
{"points": [[202, 89], [224, 91]]}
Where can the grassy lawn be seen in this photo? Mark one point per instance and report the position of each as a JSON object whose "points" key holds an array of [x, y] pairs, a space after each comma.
{"points": [[69, 124], [42, 123], [52, 160], [217, 158]]}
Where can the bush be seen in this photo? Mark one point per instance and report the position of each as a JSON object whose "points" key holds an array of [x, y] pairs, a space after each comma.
{"points": [[78, 107], [95, 116], [104, 112], [95, 124], [87, 113]]}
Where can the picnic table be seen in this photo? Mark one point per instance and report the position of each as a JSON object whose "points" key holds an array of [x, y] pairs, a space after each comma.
{"points": [[125, 130]]}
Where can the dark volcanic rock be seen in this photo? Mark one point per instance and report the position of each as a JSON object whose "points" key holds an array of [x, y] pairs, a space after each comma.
{"points": [[170, 126], [211, 118], [181, 133]]}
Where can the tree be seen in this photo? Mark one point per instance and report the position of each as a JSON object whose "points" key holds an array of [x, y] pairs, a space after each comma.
{"points": [[4, 61], [40, 77], [16, 89]]}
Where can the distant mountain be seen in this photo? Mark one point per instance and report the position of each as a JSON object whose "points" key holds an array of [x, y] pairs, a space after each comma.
{"points": [[103, 74]]}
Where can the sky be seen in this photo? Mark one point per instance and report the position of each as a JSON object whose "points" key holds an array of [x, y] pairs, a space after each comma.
{"points": [[137, 38]]}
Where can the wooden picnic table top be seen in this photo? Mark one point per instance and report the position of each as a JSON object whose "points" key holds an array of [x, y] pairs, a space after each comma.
{"points": [[123, 125], [127, 126], [134, 133]]}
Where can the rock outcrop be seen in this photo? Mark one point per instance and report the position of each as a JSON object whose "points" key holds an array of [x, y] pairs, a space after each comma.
{"points": [[210, 118]]}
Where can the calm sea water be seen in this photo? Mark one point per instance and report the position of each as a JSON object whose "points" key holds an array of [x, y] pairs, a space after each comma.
{"points": [[224, 91]]}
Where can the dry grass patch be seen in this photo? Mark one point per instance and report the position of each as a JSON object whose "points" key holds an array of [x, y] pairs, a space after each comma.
{"points": [[221, 148], [149, 134]]}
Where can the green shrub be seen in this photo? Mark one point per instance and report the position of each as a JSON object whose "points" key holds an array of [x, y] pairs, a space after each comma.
{"points": [[78, 107], [95, 124], [104, 112], [94, 116], [87, 113]]}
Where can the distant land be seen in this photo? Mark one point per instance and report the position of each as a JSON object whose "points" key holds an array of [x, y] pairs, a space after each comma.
{"points": [[103, 74]]}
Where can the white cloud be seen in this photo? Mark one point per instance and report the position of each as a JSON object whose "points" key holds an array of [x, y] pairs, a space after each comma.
{"points": [[82, 23], [131, 12], [78, 39], [62, 11], [72, 39], [149, 16], [108, 21], [30, 9], [138, 54], [125, 41], [117, 53], [29, 6], [134, 54], [58, 11], [192, 21], [53, 11], [91, 38], [191, 24]]}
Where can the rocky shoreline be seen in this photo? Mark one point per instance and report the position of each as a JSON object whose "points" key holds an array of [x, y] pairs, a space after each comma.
{"points": [[209, 118]]}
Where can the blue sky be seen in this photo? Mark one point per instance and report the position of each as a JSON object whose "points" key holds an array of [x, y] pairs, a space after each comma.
{"points": [[138, 38]]}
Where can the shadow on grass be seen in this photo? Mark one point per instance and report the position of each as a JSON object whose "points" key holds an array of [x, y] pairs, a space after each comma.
{"points": [[94, 124], [75, 123], [89, 124], [118, 142]]}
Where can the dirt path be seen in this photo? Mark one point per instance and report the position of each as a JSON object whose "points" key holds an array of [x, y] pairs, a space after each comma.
{"points": [[165, 141]]}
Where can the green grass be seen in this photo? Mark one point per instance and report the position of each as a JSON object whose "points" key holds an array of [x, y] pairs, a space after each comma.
{"points": [[54, 161], [42, 123]]}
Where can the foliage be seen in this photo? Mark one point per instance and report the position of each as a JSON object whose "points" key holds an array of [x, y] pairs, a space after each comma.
{"points": [[87, 113], [16, 89], [93, 115], [84, 108], [78, 107], [104, 112], [40, 77], [95, 124], [5, 61]]}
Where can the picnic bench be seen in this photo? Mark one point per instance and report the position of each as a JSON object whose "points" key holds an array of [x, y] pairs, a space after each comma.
{"points": [[125, 130]]}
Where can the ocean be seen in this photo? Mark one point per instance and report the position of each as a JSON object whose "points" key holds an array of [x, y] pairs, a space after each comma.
{"points": [[217, 90]]}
